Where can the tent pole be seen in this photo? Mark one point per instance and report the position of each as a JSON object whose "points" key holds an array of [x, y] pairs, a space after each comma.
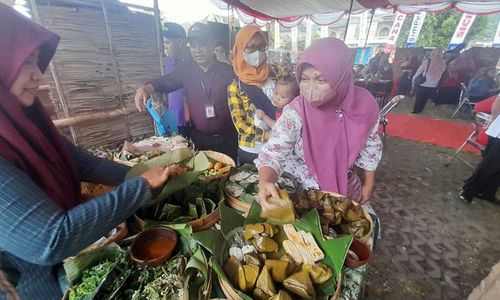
{"points": [[55, 76], [369, 27], [348, 19], [159, 40]]}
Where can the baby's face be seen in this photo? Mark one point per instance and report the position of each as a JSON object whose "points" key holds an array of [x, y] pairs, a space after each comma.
{"points": [[283, 94]]}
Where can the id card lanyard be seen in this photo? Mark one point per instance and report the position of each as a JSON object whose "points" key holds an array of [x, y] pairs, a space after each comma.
{"points": [[209, 107]]}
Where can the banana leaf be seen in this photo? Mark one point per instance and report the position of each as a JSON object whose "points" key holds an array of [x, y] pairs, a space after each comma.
{"points": [[212, 240], [254, 214], [210, 205], [230, 220], [170, 212], [192, 211], [175, 184], [335, 249], [220, 273], [199, 162], [248, 198], [74, 267], [200, 207], [176, 156], [199, 286]]}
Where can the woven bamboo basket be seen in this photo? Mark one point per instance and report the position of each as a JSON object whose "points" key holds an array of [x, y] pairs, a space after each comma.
{"points": [[231, 293], [221, 157], [197, 225], [235, 203], [366, 239]]}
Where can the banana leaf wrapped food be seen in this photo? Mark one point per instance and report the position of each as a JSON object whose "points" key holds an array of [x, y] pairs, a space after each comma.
{"points": [[319, 272], [264, 288], [301, 285], [278, 269], [282, 211], [335, 212], [281, 295], [266, 273], [264, 244]]}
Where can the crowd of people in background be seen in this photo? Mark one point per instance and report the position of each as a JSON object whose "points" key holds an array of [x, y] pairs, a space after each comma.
{"points": [[438, 76]]}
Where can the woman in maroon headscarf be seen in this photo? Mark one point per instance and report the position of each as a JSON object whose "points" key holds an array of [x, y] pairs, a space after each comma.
{"points": [[42, 218], [326, 131]]}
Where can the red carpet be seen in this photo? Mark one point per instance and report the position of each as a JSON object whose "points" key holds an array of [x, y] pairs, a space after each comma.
{"points": [[442, 133]]}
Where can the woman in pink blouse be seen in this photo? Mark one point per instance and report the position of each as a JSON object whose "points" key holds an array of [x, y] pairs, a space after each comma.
{"points": [[327, 130]]}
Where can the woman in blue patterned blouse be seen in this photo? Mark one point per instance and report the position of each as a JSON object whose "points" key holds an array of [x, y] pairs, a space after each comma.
{"points": [[42, 218]]}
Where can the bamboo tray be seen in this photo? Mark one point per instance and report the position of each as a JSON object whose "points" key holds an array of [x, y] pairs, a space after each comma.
{"points": [[197, 225]]}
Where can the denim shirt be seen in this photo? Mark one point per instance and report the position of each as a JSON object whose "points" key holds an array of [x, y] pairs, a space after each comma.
{"points": [[37, 235]]}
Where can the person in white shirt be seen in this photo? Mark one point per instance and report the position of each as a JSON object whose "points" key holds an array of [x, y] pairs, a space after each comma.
{"points": [[427, 78], [485, 180]]}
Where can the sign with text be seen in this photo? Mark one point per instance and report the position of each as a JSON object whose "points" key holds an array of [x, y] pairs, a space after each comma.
{"points": [[416, 26], [390, 45], [462, 29], [496, 39]]}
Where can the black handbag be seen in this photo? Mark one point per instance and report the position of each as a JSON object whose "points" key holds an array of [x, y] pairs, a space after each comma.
{"points": [[422, 77]]}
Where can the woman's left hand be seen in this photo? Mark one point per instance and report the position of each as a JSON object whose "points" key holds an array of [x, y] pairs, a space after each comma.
{"points": [[366, 194]]}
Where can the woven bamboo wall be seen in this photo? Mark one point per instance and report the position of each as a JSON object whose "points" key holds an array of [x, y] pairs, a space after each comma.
{"points": [[85, 66]]}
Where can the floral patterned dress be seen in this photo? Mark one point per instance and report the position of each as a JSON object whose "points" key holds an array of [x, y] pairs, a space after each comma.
{"points": [[284, 153]]}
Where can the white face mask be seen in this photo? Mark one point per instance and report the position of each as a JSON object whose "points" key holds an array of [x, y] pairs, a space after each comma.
{"points": [[256, 58]]}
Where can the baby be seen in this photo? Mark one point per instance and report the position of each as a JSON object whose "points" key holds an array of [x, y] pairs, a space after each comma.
{"points": [[285, 91]]}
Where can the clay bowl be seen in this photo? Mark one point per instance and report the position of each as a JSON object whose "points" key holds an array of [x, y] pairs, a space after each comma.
{"points": [[362, 251], [153, 247]]}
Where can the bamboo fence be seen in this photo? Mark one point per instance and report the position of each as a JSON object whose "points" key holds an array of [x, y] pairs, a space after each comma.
{"points": [[106, 52]]}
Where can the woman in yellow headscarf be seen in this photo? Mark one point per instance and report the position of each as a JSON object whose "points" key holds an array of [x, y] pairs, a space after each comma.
{"points": [[249, 95]]}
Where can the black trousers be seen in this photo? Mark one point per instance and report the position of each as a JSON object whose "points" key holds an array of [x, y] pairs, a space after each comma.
{"points": [[224, 143], [486, 178], [422, 96], [246, 157]]}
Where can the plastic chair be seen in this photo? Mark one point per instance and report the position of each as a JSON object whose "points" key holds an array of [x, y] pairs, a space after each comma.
{"points": [[475, 139], [385, 111], [463, 100]]}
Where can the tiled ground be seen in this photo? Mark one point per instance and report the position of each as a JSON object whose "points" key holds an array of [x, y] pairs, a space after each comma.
{"points": [[433, 246]]}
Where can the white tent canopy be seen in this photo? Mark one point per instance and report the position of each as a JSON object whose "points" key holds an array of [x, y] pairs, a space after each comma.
{"points": [[290, 13]]}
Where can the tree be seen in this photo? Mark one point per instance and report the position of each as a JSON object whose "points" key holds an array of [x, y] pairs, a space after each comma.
{"points": [[439, 28], [405, 32]]}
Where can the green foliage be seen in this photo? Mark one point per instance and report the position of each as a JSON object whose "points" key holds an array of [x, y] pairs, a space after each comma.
{"points": [[439, 28]]}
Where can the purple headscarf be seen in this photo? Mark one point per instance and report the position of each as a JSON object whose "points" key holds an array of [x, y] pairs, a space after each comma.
{"points": [[335, 133], [28, 138]]}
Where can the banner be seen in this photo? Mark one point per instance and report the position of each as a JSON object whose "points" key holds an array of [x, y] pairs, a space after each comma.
{"points": [[277, 39], [324, 32], [496, 39], [308, 33], [295, 38], [462, 29], [416, 26], [390, 45]]}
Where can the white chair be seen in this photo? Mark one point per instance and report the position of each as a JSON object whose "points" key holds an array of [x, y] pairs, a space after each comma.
{"points": [[463, 100], [481, 121], [385, 111]]}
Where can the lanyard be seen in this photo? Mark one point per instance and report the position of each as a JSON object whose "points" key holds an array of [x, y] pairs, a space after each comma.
{"points": [[209, 91]]}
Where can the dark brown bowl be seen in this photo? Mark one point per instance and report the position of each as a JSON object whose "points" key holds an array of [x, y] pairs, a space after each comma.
{"points": [[153, 247], [363, 252]]}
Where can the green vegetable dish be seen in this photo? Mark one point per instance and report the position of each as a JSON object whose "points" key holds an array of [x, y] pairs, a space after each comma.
{"points": [[194, 202], [119, 278]]}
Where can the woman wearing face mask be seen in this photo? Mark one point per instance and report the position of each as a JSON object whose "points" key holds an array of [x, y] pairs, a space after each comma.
{"points": [[326, 131], [251, 91], [42, 217]]}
